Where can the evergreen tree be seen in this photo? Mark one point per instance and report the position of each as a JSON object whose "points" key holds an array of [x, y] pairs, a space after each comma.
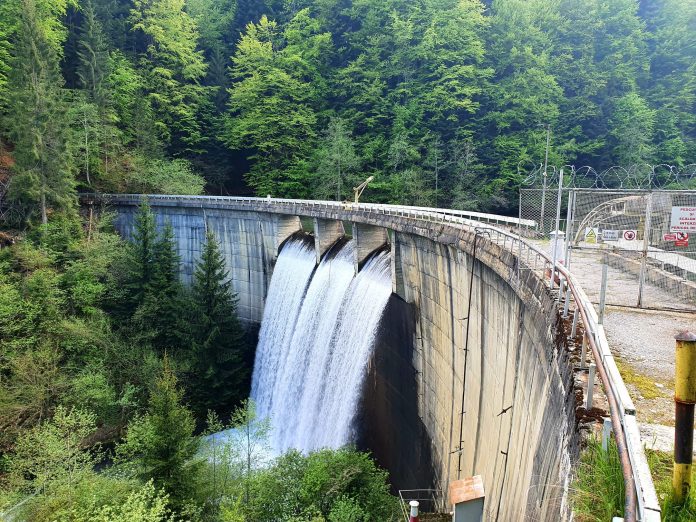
{"points": [[337, 158], [173, 69], [142, 254], [36, 118], [220, 373], [159, 316], [161, 444]]}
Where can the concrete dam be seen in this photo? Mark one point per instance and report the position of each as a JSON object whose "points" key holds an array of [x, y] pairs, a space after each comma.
{"points": [[433, 340]]}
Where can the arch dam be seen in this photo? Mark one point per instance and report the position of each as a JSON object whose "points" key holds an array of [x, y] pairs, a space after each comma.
{"points": [[472, 371]]}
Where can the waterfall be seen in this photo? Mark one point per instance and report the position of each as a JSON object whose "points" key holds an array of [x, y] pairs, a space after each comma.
{"points": [[291, 276], [312, 359]]}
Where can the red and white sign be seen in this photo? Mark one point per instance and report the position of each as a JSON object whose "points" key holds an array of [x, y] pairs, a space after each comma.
{"points": [[683, 219], [630, 235], [669, 237], [682, 239]]}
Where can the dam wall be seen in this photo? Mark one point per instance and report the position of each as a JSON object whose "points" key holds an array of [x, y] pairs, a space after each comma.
{"points": [[249, 242], [482, 387]]}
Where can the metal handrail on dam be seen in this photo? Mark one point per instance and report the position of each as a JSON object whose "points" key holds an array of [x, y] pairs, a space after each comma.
{"points": [[641, 501]]}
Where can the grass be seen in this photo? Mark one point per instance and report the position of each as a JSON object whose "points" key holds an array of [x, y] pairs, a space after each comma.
{"points": [[660, 464], [645, 386], [597, 493]]}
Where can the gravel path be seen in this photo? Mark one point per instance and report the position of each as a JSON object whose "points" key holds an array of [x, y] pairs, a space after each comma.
{"points": [[641, 339]]}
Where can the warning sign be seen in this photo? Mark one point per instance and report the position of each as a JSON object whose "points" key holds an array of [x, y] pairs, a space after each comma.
{"points": [[683, 219], [630, 235], [610, 235], [682, 239], [669, 237], [591, 234]]}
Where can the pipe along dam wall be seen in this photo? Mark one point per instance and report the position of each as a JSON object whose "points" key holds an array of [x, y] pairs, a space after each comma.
{"points": [[420, 341]]}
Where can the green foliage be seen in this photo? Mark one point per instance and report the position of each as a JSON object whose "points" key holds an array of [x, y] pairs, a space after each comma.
{"points": [[271, 101], [333, 485], [598, 488], [219, 375], [661, 469], [161, 445], [160, 300], [36, 119], [336, 161], [173, 67], [52, 453]]}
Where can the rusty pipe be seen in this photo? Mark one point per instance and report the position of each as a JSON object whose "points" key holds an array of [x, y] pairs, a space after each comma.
{"points": [[619, 435]]}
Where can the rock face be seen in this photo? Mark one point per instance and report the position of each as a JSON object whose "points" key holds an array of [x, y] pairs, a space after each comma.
{"points": [[465, 331]]}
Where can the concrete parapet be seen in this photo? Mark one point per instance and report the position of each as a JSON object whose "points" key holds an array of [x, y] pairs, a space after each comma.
{"points": [[326, 233], [367, 238]]}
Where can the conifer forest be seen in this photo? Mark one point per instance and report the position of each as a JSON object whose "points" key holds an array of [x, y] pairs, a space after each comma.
{"points": [[112, 372]]}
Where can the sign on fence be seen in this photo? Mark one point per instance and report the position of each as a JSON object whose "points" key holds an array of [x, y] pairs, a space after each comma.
{"points": [[591, 234], [630, 235], [682, 239], [683, 219], [610, 235]]}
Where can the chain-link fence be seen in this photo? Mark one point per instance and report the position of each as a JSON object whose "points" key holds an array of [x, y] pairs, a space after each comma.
{"points": [[642, 236]]}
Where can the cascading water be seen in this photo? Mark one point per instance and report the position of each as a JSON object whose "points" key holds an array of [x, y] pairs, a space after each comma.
{"points": [[291, 276], [312, 359]]}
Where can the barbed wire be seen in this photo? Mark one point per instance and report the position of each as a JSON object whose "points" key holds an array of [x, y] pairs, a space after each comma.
{"points": [[637, 177]]}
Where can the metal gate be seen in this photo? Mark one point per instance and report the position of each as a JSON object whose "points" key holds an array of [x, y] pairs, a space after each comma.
{"points": [[647, 239]]}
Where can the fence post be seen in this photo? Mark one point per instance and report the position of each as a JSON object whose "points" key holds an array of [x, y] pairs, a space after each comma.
{"points": [[590, 386], [646, 244], [570, 216], [606, 433], [574, 330], [583, 351], [566, 305], [603, 294]]}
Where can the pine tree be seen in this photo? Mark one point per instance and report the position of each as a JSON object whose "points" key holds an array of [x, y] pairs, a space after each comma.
{"points": [[159, 316], [142, 254], [218, 338], [37, 119], [337, 159], [162, 444]]}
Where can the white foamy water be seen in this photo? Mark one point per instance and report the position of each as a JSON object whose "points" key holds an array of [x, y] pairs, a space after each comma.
{"points": [[312, 359], [291, 276]]}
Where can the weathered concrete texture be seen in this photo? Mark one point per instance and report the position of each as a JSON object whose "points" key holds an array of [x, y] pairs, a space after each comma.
{"points": [[249, 242], [367, 239], [389, 422], [495, 359], [326, 233]]}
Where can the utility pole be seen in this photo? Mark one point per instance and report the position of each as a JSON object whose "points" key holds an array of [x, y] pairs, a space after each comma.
{"points": [[546, 166]]}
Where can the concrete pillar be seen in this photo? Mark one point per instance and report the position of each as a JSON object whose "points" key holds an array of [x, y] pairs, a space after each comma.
{"points": [[285, 226], [326, 233], [368, 238], [397, 272]]}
